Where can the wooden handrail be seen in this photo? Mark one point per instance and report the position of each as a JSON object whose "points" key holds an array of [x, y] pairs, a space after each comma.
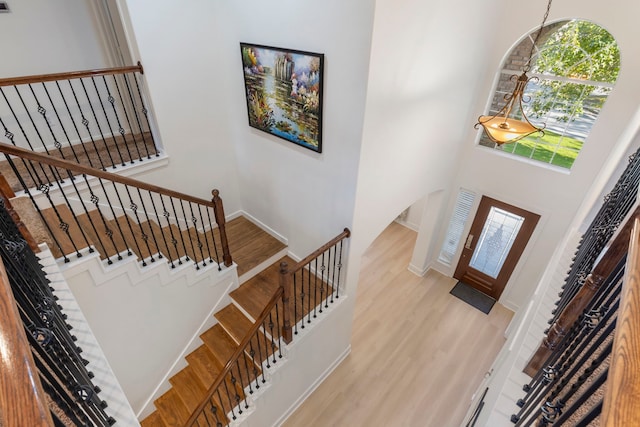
{"points": [[22, 400], [345, 233], [277, 296], [612, 256], [622, 397], [13, 81], [81, 169]]}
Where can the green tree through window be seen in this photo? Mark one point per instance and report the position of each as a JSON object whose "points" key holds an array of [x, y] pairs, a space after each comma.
{"points": [[577, 64]]}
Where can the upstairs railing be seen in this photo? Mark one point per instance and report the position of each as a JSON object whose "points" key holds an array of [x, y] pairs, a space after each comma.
{"points": [[97, 118], [615, 207], [44, 380], [313, 284], [590, 363], [120, 216]]}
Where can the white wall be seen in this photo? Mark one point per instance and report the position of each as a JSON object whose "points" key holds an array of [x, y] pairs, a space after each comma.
{"points": [[305, 196], [422, 80], [554, 195], [43, 36], [179, 46]]}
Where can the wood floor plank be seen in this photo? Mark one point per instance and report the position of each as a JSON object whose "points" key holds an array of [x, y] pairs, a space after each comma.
{"points": [[418, 353]]}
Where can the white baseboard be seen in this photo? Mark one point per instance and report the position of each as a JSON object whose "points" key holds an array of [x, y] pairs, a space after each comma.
{"points": [[312, 387], [259, 223], [417, 270]]}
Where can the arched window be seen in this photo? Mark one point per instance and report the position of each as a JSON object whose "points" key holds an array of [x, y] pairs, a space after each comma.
{"points": [[576, 63]]}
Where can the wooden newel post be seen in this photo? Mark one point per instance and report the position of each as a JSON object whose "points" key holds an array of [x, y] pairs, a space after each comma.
{"points": [[218, 212], [560, 327], [285, 283]]}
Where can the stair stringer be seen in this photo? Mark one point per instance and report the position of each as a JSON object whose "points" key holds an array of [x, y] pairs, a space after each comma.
{"points": [[145, 317]]}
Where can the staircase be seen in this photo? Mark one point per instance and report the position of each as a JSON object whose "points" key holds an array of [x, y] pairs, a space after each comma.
{"points": [[219, 342], [69, 201]]}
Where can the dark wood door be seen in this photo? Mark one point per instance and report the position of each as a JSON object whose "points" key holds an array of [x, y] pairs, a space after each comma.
{"points": [[499, 233]]}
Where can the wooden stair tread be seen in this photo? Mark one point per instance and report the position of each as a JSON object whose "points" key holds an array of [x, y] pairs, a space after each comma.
{"points": [[249, 244], [65, 215], [153, 420], [204, 364], [189, 387], [234, 322], [254, 294], [173, 411], [98, 229], [220, 343], [138, 239]]}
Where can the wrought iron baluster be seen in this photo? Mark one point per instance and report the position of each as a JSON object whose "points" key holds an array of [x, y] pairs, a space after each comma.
{"points": [[114, 220], [64, 129], [315, 288], [194, 220], [145, 238], [75, 126], [231, 400], [155, 211], [10, 135], [204, 235], [148, 221], [248, 371], [137, 118], [108, 232], [278, 332], [97, 122], [115, 112], [273, 343], [43, 112], [175, 215], [333, 271], [262, 359], [106, 118], [256, 372], [295, 305], [308, 293], [145, 113], [126, 115], [266, 345], [339, 271], [86, 124], [174, 242]]}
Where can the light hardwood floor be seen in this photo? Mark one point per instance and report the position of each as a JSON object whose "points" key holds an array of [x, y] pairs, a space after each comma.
{"points": [[418, 353]]}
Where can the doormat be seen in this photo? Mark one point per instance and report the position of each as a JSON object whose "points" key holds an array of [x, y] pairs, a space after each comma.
{"points": [[473, 297]]}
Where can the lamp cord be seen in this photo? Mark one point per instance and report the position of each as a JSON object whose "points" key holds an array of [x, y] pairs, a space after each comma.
{"points": [[527, 66]]}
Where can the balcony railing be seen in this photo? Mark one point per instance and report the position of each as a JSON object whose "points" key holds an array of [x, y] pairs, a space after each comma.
{"points": [[44, 380], [96, 118], [589, 360]]}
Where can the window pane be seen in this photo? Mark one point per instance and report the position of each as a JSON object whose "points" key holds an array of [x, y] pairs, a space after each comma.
{"points": [[497, 237]]}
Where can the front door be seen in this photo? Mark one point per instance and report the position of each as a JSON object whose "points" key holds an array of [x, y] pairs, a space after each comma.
{"points": [[498, 236]]}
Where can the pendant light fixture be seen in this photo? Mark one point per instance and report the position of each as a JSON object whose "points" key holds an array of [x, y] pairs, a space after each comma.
{"points": [[505, 126]]}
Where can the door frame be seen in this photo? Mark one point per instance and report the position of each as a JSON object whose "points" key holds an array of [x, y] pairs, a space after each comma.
{"points": [[522, 240]]}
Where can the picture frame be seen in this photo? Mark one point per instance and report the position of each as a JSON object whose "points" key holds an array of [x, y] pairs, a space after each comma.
{"points": [[283, 90]]}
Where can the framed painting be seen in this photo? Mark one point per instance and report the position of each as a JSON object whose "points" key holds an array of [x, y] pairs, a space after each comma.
{"points": [[283, 88]]}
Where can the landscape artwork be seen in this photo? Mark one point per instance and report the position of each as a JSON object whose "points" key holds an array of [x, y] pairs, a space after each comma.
{"points": [[284, 93]]}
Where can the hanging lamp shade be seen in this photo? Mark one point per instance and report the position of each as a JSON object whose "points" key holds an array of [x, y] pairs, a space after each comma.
{"points": [[504, 127], [510, 124]]}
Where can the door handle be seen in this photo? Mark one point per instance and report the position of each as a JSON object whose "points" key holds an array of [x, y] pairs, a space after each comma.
{"points": [[467, 245]]}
